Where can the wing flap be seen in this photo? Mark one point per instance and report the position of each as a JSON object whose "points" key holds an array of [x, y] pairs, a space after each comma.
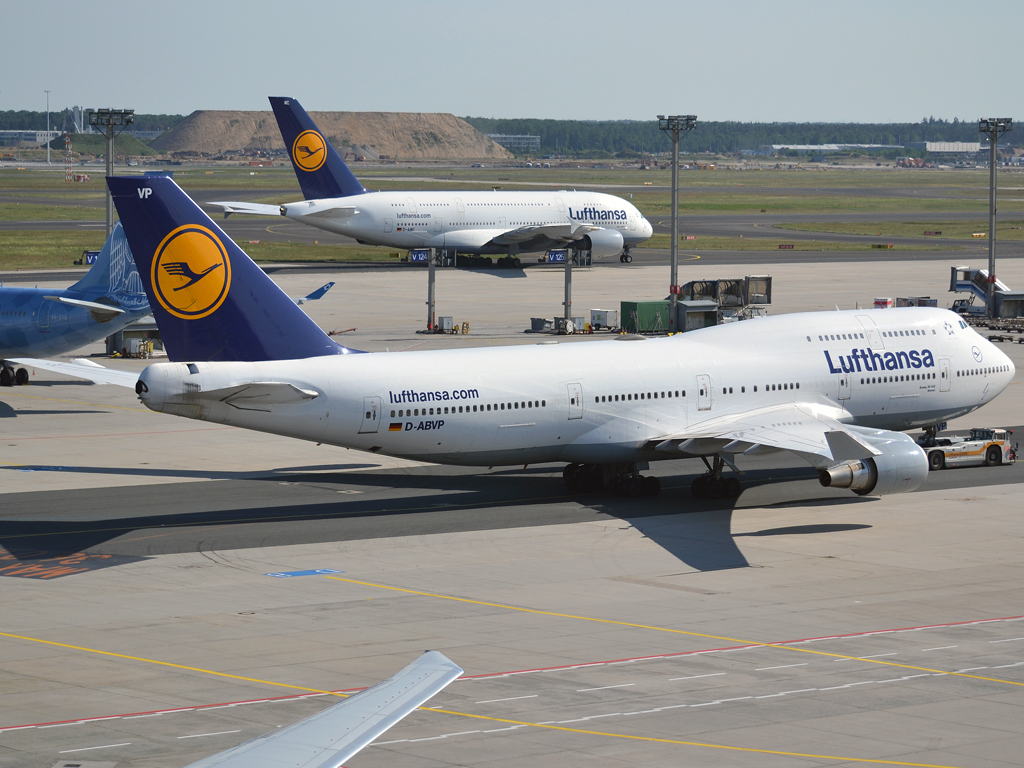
{"points": [[805, 428], [330, 738]]}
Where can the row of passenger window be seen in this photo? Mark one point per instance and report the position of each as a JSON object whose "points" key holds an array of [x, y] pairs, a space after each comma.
{"points": [[638, 396], [983, 371], [439, 411], [767, 388], [893, 379], [854, 336]]}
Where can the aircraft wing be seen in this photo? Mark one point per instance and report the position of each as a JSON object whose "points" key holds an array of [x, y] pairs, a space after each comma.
{"points": [[94, 305], [255, 209], [83, 369], [332, 737], [562, 232], [809, 429]]}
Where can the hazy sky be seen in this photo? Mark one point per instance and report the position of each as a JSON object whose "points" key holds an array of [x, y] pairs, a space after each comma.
{"points": [[866, 61]]}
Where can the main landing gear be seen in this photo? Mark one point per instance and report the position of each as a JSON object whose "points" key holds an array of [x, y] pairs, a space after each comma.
{"points": [[625, 257], [620, 479], [9, 377], [711, 485]]}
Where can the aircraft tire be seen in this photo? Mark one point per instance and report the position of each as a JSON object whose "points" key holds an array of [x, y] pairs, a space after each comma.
{"points": [[21, 376], [633, 486], [936, 461], [7, 377], [698, 488], [731, 488], [628, 258], [652, 486], [993, 457]]}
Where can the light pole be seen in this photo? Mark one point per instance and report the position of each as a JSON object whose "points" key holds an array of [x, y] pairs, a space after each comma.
{"points": [[109, 118], [673, 124], [994, 127], [47, 127]]}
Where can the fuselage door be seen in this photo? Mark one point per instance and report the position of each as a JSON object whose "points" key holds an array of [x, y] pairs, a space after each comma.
{"points": [[387, 224], [944, 374], [410, 204], [844, 386], [460, 207], [501, 222], [43, 317], [575, 401], [371, 415], [871, 331], [703, 392], [437, 224], [632, 223], [561, 204]]}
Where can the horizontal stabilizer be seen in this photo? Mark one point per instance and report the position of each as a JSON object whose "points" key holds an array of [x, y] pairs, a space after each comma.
{"points": [[93, 305], [254, 209], [329, 739], [81, 368]]}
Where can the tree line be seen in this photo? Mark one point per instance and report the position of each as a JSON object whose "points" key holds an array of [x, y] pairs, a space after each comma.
{"points": [[60, 119], [637, 137]]}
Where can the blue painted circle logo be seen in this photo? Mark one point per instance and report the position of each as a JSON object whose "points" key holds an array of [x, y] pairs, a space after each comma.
{"points": [[977, 354]]}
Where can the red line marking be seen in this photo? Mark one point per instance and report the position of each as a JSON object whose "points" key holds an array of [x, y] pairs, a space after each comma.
{"points": [[484, 676]]}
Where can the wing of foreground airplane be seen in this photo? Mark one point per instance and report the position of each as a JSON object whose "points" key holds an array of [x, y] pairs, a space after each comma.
{"points": [[804, 428], [254, 209], [81, 368], [330, 738]]}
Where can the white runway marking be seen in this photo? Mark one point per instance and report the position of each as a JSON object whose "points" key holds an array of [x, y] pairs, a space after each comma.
{"points": [[512, 698], [200, 735], [783, 666], [940, 648], [86, 749], [694, 677], [605, 687], [1007, 640]]}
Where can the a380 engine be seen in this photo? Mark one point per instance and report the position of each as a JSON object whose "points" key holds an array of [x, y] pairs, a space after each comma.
{"points": [[900, 468], [601, 242]]}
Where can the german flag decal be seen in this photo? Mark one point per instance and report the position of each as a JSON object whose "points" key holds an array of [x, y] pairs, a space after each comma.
{"points": [[395, 426]]}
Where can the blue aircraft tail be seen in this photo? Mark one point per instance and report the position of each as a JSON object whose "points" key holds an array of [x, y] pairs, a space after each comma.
{"points": [[210, 301], [321, 171], [114, 276]]}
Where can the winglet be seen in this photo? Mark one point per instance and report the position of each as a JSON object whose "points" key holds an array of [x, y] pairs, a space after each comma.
{"points": [[321, 171]]}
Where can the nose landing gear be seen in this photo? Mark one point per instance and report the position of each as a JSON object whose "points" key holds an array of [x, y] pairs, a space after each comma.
{"points": [[625, 257], [711, 485]]}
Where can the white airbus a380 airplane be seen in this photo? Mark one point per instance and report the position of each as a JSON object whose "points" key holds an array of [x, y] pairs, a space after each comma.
{"points": [[831, 387], [506, 223]]}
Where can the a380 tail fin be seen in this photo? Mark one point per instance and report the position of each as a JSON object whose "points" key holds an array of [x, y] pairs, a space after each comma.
{"points": [[210, 301], [321, 171], [114, 276]]}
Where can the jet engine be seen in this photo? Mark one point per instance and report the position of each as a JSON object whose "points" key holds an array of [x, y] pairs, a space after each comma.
{"points": [[901, 466], [601, 242]]}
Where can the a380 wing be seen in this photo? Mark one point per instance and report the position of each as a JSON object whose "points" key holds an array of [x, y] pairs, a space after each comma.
{"points": [[330, 738], [809, 429]]}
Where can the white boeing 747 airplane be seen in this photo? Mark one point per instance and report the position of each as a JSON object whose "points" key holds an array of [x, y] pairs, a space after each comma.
{"points": [[834, 388], [505, 223]]}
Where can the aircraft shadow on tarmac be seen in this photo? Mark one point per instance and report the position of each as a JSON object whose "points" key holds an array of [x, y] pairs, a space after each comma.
{"points": [[7, 412], [301, 507]]}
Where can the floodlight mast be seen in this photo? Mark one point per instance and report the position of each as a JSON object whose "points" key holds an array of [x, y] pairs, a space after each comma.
{"points": [[994, 127], [108, 118], [47, 127], [673, 124]]}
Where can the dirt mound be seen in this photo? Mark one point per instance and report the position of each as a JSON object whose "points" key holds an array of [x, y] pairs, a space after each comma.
{"points": [[399, 135]]}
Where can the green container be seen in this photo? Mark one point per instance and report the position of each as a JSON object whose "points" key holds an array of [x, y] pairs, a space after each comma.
{"points": [[644, 316]]}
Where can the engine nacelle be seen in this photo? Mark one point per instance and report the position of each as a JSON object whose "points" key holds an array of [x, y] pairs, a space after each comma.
{"points": [[900, 468], [601, 242]]}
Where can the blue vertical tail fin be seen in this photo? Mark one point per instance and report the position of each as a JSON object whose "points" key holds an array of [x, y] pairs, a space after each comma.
{"points": [[321, 171], [210, 300], [114, 275]]}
